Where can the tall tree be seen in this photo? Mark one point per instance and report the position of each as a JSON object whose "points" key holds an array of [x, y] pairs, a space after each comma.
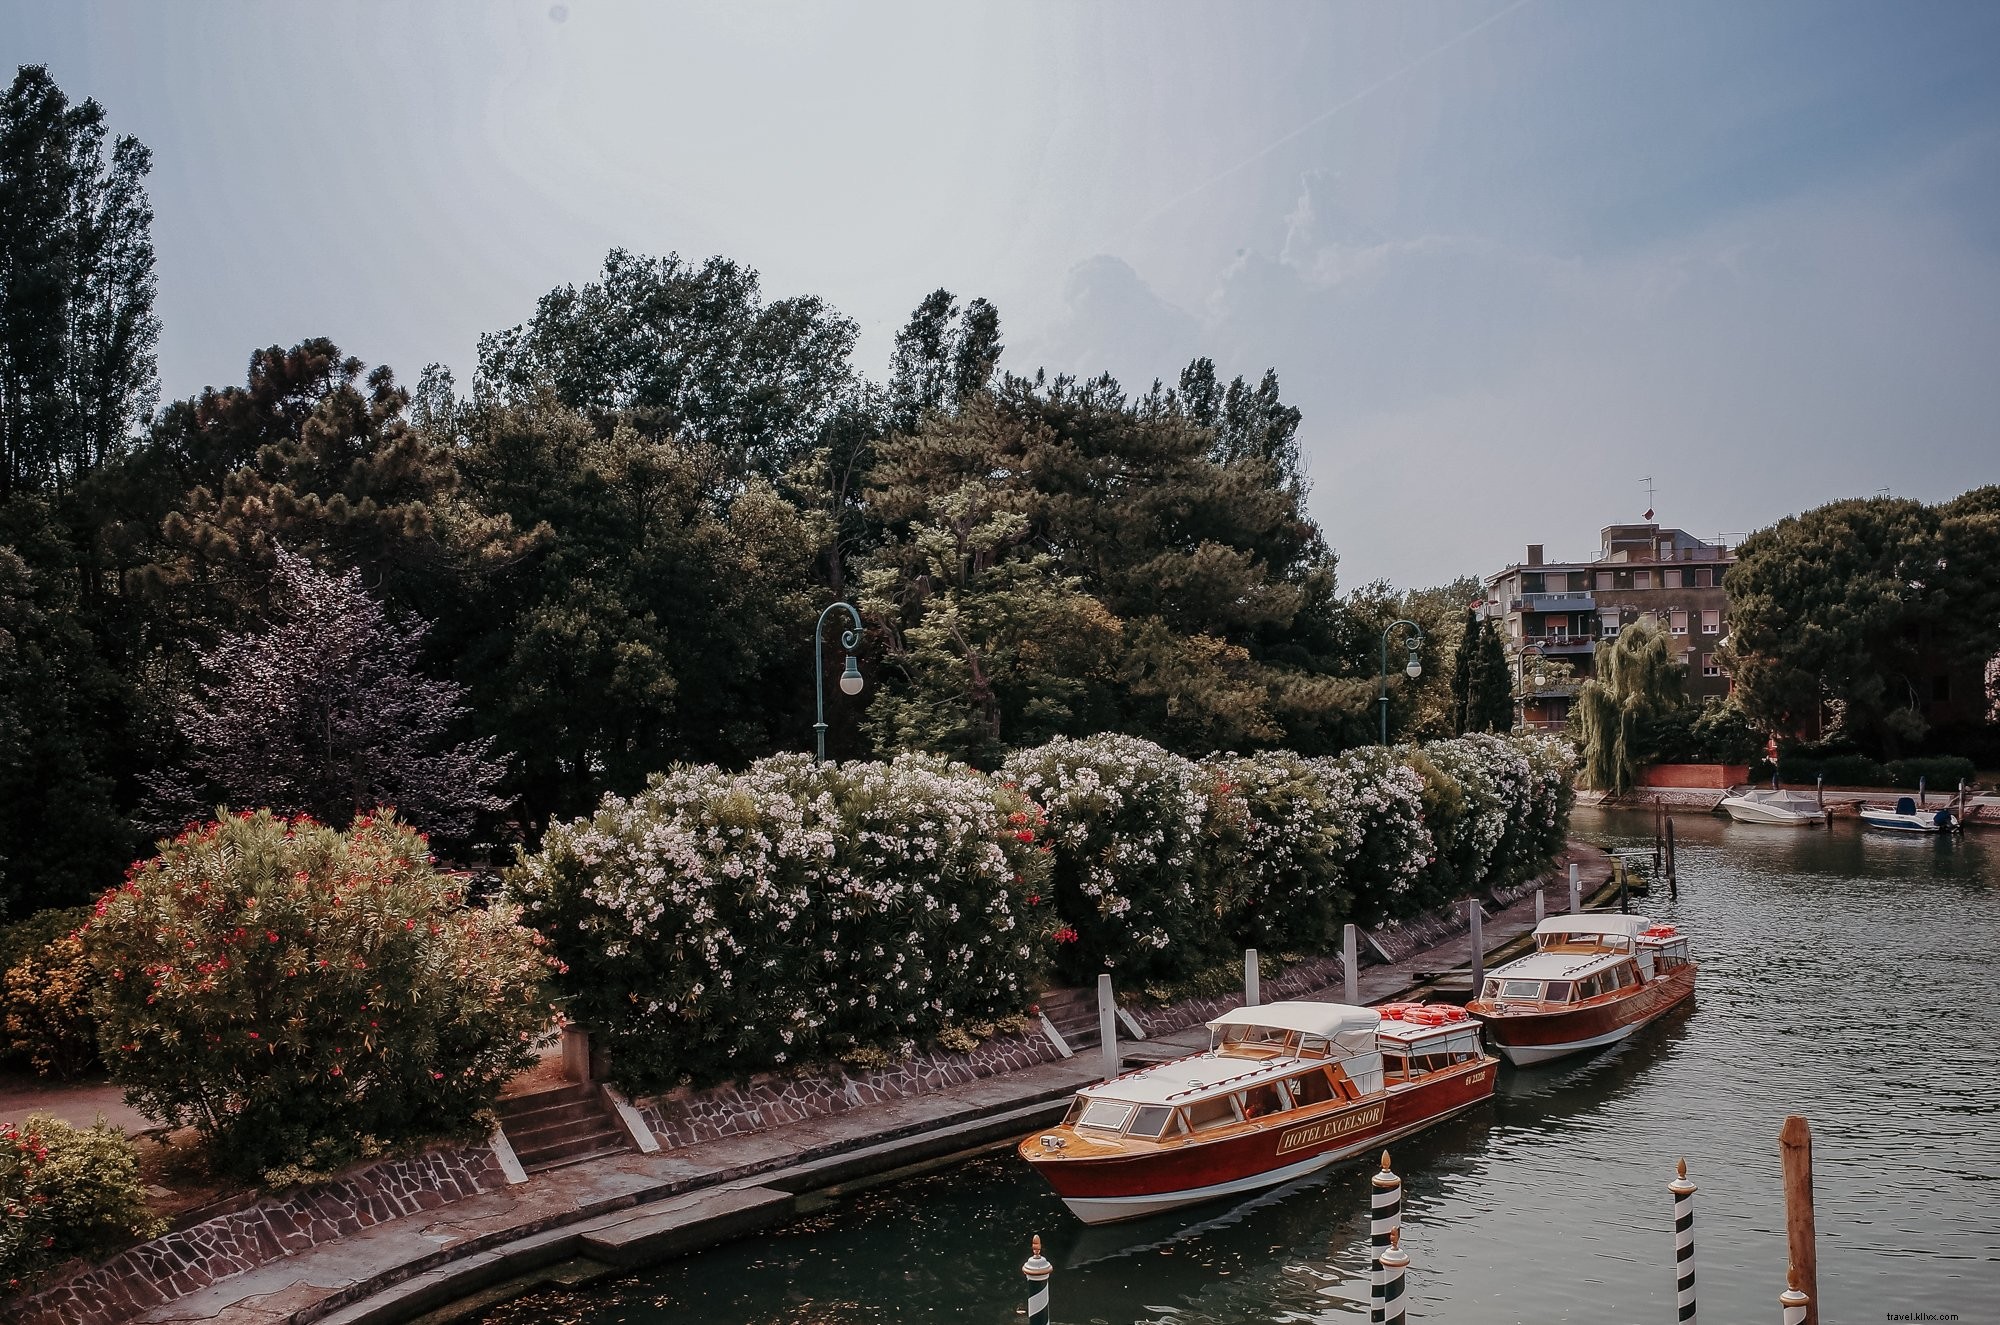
{"points": [[76, 288], [325, 712], [693, 352], [1637, 683], [942, 356], [1491, 706], [1464, 667]]}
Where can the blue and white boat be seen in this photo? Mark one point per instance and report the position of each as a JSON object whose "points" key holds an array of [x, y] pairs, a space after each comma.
{"points": [[1907, 818]]}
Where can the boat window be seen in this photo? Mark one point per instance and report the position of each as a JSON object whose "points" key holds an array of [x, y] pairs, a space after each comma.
{"points": [[1075, 1112], [1587, 989], [1262, 1101], [1312, 1088], [1558, 991], [1394, 1068], [1109, 1115], [1521, 989], [1312, 1046], [1151, 1119], [1253, 1041], [1218, 1112], [1492, 990]]}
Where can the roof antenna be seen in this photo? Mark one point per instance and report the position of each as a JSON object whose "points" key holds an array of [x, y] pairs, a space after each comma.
{"points": [[1648, 481]]}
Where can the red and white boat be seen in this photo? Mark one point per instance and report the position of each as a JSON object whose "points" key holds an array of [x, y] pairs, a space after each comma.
{"points": [[1284, 1089], [1591, 981]]}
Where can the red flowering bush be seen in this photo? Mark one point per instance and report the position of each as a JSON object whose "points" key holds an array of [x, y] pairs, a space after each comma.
{"points": [[65, 1191], [305, 997]]}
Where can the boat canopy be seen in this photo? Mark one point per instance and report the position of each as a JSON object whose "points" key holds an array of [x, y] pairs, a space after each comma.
{"points": [[1624, 927], [1323, 1019]]}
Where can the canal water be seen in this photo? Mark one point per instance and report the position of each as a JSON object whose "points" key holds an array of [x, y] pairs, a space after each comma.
{"points": [[1846, 975]]}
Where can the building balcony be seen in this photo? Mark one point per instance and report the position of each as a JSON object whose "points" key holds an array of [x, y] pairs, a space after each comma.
{"points": [[1554, 644], [1574, 600]]}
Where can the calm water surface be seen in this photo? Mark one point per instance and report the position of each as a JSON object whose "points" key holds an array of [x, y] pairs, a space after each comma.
{"points": [[1846, 975]]}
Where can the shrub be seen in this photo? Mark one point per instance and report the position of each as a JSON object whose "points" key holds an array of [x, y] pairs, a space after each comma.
{"points": [[66, 1191], [1278, 840], [1491, 777], [1127, 821], [305, 997], [722, 923], [46, 986], [1940, 773], [1389, 848]]}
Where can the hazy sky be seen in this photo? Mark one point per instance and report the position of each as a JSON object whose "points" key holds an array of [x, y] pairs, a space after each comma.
{"points": [[1508, 257]]}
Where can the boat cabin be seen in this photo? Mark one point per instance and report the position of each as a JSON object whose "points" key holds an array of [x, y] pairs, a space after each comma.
{"points": [[1580, 958]]}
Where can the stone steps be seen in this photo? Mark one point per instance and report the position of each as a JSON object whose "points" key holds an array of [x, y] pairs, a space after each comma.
{"points": [[568, 1125]]}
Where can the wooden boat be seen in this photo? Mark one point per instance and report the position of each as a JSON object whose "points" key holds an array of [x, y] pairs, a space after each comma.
{"points": [[1591, 981], [1284, 1089], [1753, 806], [1907, 818]]}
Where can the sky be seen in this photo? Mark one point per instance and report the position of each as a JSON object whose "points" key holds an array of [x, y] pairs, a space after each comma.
{"points": [[1509, 257]]}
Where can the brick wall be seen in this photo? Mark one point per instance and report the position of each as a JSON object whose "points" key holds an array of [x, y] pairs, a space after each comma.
{"points": [[1706, 777]]}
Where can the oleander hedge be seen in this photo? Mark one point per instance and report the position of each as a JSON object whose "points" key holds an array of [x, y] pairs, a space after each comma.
{"points": [[721, 923]]}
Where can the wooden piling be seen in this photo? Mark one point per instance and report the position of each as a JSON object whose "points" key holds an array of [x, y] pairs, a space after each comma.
{"points": [[1252, 982], [1673, 869], [1795, 1148], [1475, 921], [1350, 957], [1575, 888]]}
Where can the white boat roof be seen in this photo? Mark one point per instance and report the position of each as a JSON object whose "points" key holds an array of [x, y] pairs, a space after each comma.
{"points": [[1323, 1019], [1406, 1032], [1556, 966], [1184, 1080], [1621, 926]]}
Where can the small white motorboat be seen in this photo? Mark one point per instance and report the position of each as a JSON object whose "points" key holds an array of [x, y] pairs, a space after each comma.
{"points": [[1753, 806], [1907, 818]]}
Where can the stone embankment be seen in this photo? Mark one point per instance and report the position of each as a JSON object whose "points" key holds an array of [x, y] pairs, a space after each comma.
{"points": [[395, 1240]]}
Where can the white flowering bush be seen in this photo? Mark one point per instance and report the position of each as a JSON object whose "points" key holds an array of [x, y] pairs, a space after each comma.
{"points": [[1127, 826], [1389, 847], [1278, 837], [722, 923], [1551, 794], [1491, 780]]}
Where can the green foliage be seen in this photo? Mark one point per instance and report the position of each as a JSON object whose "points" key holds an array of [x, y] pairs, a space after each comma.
{"points": [[1277, 844], [1636, 683], [46, 987], [1853, 607], [66, 1191], [1850, 768], [1714, 731], [305, 997], [723, 923]]}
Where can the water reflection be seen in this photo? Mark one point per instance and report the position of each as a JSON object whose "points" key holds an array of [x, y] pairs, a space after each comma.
{"points": [[1846, 975]]}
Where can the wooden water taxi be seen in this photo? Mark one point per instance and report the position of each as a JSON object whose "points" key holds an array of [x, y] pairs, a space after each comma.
{"points": [[1591, 981], [1284, 1089]]}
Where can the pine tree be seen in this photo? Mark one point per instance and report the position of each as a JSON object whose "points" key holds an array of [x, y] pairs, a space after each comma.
{"points": [[1464, 665], [1491, 706]]}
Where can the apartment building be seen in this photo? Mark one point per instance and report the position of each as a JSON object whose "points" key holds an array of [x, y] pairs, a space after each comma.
{"points": [[1559, 610]]}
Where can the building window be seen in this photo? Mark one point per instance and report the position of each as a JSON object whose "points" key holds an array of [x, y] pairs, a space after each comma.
{"points": [[1610, 620], [1703, 577], [1711, 622], [1642, 579], [1670, 579], [1604, 579], [1679, 622], [1709, 666]]}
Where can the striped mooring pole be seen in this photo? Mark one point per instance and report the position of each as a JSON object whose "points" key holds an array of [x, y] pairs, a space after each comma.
{"points": [[1037, 1269], [1794, 1302], [1683, 1191], [1385, 1221], [1394, 1262]]}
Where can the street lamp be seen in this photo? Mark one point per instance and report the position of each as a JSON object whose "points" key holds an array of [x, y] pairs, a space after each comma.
{"points": [[1541, 676], [1413, 669], [850, 676]]}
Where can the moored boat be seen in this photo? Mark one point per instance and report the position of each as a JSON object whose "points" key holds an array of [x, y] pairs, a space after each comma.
{"points": [[1754, 806], [1907, 818], [1284, 1089], [1592, 981]]}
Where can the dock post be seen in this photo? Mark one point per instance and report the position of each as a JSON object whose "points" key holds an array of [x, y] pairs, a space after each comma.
{"points": [[1394, 1262], [1673, 865], [1251, 979], [1795, 1147], [1477, 919], [1575, 888], [1107, 1024], [1923, 791], [1350, 957], [1037, 1271], [1796, 1304], [1624, 887], [1385, 1219], [1541, 905], [1819, 790], [1683, 1191]]}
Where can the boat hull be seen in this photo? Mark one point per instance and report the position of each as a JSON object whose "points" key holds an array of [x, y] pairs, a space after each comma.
{"points": [[1899, 823], [1749, 812], [1528, 1038], [1111, 1188]]}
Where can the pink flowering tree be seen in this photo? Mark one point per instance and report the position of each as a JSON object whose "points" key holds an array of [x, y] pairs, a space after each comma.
{"points": [[325, 712], [305, 997]]}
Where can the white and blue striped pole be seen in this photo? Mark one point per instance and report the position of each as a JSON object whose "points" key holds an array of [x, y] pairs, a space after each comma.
{"points": [[1394, 1262], [1683, 1191], [1037, 1270], [1793, 1301], [1385, 1220]]}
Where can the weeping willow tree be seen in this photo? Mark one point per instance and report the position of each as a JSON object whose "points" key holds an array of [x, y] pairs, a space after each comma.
{"points": [[1637, 682]]}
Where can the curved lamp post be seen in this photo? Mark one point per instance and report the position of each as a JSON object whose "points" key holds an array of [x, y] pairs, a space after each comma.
{"points": [[850, 677], [1540, 677], [1413, 668]]}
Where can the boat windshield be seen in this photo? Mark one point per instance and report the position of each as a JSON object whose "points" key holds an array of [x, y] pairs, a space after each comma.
{"points": [[1530, 990], [1105, 1115], [1254, 1041]]}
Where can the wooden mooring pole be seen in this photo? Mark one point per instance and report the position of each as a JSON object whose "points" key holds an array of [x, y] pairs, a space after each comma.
{"points": [[1795, 1148], [1673, 868], [1350, 957]]}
